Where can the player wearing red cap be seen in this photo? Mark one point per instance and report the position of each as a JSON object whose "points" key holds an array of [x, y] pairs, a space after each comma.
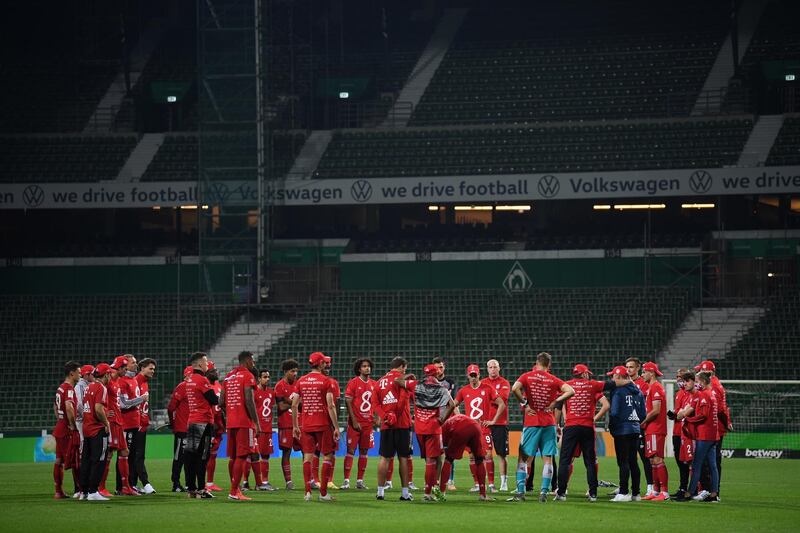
{"points": [[130, 401], [655, 431], [477, 399], [242, 422], [178, 413], [65, 429], [361, 401], [87, 377], [702, 422], [96, 429], [285, 389], [395, 427], [460, 432], [201, 398], [724, 413], [578, 435], [147, 369], [117, 439], [539, 391], [499, 430], [265, 405], [320, 427], [634, 367]]}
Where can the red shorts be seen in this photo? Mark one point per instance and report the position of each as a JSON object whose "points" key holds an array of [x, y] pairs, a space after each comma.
{"points": [[487, 440], [116, 440], [265, 444], [363, 439], [686, 453], [286, 440], [215, 442], [469, 437], [654, 445], [63, 445], [430, 445], [241, 442], [322, 440]]}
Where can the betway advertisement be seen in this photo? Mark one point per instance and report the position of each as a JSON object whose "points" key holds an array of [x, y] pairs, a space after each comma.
{"points": [[409, 190]]}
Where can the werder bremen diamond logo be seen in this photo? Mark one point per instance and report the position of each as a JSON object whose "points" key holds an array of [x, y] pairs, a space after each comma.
{"points": [[517, 280]]}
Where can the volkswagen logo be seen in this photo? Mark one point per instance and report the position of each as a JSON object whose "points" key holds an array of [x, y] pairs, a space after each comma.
{"points": [[33, 196], [361, 191], [548, 186], [217, 193], [700, 181]]}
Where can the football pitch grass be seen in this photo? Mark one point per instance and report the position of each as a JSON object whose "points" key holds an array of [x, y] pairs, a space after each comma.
{"points": [[757, 495]]}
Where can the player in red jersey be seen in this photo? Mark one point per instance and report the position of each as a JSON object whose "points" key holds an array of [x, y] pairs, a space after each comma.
{"points": [[242, 422], [682, 444], [578, 434], [178, 413], [265, 405], [320, 427], [477, 399], [130, 402], [634, 366], [538, 391], [117, 439], [96, 429], [724, 414], [147, 369], [65, 429], [655, 433], [361, 400], [499, 430], [315, 477], [460, 432], [702, 419], [430, 398], [393, 401], [201, 398], [285, 389], [219, 430]]}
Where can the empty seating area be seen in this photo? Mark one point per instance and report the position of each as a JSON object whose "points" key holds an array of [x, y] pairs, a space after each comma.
{"points": [[39, 333], [599, 327], [786, 149], [771, 349], [66, 158], [610, 60], [530, 149]]}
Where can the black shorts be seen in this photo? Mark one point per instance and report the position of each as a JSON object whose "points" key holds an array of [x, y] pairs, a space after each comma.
{"points": [[500, 440], [395, 442]]}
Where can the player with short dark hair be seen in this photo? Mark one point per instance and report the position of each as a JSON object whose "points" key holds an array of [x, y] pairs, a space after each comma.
{"points": [[264, 398], [361, 402], [178, 413], [242, 422], [396, 426], [147, 369], [498, 430], [285, 389], [201, 397], [634, 366], [87, 378], [655, 431], [219, 430], [460, 432], [681, 443], [96, 429], [65, 431], [320, 427]]}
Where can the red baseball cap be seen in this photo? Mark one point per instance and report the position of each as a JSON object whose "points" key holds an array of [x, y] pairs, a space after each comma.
{"points": [[188, 371], [430, 370], [621, 370], [706, 366], [86, 369], [317, 358], [581, 369], [119, 362], [101, 370], [211, 365], [651, 367], [473, 369]]}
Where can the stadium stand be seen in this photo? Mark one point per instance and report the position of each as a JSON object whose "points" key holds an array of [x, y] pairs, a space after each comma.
{"points": [[775, 338], [684, 143], [46, 331], [594, 326], [65, 158], [524, 64], [786, 150]]}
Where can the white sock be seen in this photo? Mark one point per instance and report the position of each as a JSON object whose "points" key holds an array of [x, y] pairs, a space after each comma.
{"points": [[649, 488], [503, 480], [380, 491], [405, 492]]}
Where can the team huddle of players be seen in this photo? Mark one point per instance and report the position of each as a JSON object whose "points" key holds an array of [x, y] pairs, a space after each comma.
{"points": [[203, 407]]}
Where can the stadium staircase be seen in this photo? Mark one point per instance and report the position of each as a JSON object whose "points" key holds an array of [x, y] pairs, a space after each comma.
{"points": [[722, 70], [310, 154], [426, 66], [141, 157], [256, 337], [706, 333], [762, 137]]}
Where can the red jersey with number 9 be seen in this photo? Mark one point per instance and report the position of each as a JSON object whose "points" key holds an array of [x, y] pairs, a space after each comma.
{"points": [[65, 394]]}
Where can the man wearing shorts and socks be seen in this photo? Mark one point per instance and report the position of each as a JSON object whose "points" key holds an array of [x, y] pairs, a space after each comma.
{"points": [[393, 400], [285, 389]]}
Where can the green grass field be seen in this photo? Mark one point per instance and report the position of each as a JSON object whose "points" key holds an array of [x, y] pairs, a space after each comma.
{"points": [[756, 495]]}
